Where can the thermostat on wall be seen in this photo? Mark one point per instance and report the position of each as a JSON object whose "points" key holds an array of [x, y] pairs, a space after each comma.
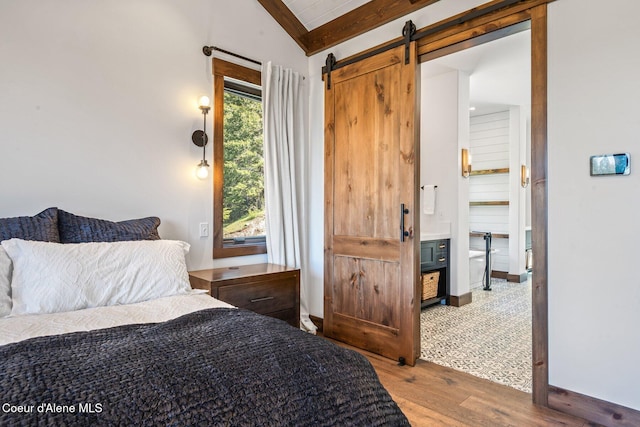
{"points": [[610, 164]]}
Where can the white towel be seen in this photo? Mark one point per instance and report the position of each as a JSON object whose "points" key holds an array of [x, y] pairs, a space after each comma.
{"points": [[429, 200]]}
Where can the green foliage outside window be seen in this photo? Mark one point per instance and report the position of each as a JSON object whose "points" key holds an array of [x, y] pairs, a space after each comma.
{"points": [[243, 193]]}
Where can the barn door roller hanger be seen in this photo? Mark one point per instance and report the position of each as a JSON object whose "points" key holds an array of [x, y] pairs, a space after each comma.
{"points": [[410, 34]]}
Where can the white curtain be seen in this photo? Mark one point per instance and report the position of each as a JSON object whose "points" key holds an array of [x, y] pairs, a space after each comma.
{"points": [[285, 175]]}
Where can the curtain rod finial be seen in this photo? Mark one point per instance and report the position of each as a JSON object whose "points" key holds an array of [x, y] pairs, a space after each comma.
{"points": [[207, 50]]}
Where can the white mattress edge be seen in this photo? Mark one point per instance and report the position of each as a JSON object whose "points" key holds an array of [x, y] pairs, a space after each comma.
{"points": [[18, 328]]}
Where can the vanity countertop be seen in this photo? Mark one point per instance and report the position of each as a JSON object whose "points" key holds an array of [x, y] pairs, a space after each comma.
{"points": [[434, 236]]}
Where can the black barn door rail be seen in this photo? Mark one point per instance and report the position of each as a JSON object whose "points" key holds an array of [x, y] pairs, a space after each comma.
{"points": [[409, 35]]}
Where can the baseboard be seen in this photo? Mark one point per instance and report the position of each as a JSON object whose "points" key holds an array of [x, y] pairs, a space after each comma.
{"points": [[592, 409], [460, 300], [499, 274], [318, 321], [517, 278], [514, 278]]}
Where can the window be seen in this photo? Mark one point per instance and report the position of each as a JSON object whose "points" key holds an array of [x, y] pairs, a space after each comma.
{"points": [[238, 161]]}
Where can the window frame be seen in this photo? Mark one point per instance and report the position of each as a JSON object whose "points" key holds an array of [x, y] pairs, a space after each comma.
{"points": [[221, 247]]}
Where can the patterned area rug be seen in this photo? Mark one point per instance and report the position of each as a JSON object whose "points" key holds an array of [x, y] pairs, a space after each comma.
{"points": [[489, 338]]}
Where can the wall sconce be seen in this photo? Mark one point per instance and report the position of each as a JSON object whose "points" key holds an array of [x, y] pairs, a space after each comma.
{"points": [[524, 176], [200, 138], [466, 163]]}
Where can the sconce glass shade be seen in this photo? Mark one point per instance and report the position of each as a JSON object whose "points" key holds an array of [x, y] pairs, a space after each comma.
{"points": [[466, 163], [204, 102], [524, 176], [202, 170]]}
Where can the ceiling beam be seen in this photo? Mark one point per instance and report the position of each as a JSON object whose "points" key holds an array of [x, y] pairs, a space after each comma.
{"points": [[358, 21], [287, 20]]}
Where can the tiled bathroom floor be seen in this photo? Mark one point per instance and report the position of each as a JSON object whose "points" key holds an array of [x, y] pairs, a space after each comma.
{"points": [[489, 338]]}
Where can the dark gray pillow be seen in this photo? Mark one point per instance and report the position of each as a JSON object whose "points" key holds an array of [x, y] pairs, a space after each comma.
{"points": [[42, 227], [80, 229]]}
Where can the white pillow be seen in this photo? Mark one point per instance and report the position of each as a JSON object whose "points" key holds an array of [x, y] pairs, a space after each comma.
{"points": [[54, 277], [5, 283]]}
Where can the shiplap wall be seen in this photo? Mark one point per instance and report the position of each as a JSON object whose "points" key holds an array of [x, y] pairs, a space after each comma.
{"points": [[489, 148]]}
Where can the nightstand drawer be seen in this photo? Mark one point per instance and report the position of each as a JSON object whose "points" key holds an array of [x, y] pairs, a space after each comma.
{"points": [[262, 297], [269, 289]]}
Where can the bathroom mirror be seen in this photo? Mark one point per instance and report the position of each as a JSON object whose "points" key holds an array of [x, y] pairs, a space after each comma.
{"points": [[610, 164]]}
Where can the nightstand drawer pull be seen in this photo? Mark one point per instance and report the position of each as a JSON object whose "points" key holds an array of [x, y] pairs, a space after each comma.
{"points": [[442, 246], [261, 299], [442, 259]]}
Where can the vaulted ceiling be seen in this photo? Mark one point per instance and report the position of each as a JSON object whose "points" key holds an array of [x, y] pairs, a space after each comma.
{"points": [[313, 13], [499, 70], [319, 24]]}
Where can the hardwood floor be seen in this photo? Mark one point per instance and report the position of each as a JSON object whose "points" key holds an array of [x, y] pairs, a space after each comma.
{"points": [[432, 395]]}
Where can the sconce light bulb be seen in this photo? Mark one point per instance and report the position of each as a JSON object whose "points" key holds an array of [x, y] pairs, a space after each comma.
{"points": [[204, 102], [202, 171]]}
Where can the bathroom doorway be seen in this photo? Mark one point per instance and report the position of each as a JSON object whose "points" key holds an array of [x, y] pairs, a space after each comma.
{"points": [[490, 115]]}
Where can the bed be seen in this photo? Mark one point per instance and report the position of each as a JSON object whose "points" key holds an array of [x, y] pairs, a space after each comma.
{"points": [[101, 327]]}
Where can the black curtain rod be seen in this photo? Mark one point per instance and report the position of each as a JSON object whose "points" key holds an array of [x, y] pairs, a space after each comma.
{"points": [[208, 50], [474, 13]]}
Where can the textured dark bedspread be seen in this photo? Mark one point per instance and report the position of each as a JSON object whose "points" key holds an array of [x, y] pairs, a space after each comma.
{"points": [[210, 368]]}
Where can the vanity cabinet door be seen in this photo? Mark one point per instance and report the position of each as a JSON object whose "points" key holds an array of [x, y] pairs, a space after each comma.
{"points": [[428, 254]]}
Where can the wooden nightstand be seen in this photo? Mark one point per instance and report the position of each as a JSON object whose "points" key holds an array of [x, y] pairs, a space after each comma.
{"points": [[269, 289]]}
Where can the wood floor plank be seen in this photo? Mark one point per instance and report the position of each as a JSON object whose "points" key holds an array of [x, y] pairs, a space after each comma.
{"points": [[421, 416], [431, 401], [433, 395], [506, 414]]}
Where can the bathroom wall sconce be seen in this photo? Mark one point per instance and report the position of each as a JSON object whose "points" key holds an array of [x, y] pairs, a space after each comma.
{"points": [[200, 138], [524, 176], [466, 163]]}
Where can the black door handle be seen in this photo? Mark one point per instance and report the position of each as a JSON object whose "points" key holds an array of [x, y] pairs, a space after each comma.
{"points": [[403, 232]]}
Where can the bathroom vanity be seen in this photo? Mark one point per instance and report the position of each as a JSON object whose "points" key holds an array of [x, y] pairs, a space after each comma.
{"points": [[434, 256]]}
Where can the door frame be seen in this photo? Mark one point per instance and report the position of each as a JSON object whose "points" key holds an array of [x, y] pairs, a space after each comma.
{"points": [[487, 22], [473, 33]]}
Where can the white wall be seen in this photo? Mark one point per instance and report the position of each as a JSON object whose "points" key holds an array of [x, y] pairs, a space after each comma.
{"points": [[98, 101], [517, 195], [489, 142], [594, 290], [498, 140], [444, 131]]}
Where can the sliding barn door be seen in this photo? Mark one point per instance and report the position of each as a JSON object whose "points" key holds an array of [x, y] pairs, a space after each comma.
{"points": [[371, 155]]}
